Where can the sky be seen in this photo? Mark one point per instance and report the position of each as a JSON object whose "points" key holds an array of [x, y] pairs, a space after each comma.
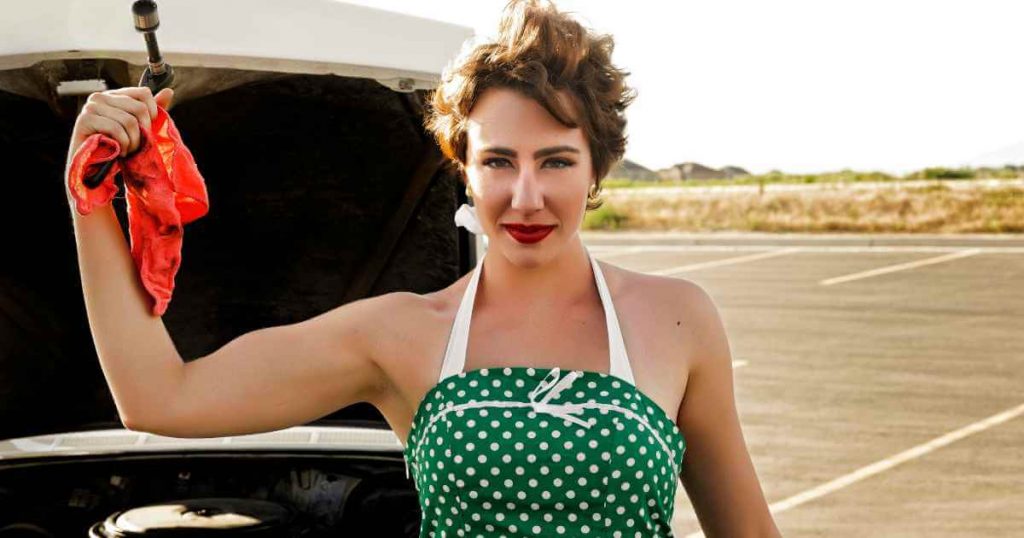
{"points": [[805, 86]]}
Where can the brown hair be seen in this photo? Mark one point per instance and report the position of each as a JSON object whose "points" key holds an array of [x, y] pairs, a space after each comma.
{"points": [[539, 51]]}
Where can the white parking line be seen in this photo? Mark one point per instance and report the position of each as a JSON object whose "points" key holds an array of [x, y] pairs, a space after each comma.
{"points": [[619, 250], [610, 251], [726, 261], [890, 462], [899, 267]]}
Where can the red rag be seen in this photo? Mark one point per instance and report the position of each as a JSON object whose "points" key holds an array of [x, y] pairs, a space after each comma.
{"points": [[164, 192]]}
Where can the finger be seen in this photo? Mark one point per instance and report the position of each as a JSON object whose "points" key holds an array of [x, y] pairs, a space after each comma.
{"points": [[164, 97], [128, 121], [136, 108], [109, 127], [140, 93], [124, 101]]}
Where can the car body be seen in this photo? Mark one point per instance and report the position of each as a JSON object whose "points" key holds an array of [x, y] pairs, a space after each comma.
{"points": [[305, 119]]}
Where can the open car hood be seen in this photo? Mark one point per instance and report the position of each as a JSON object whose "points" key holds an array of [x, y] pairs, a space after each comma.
{"points": [[299, 36], [323, 186]]}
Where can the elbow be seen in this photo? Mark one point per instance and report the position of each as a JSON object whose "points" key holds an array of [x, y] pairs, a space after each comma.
{"points": [[144, 423], [157, 425], [130, 423]]}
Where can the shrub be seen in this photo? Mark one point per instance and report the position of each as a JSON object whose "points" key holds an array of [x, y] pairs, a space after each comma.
{"points": [[604, 218]]}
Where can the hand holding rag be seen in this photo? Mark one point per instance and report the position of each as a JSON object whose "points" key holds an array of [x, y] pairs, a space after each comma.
{"points": [[164, 192]]}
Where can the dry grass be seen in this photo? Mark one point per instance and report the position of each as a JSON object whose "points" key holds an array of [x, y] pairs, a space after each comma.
{"points": [[934, 209]]}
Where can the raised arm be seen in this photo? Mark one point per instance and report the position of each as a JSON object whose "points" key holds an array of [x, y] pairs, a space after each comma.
{"points": [[718, 473], [263, 380], [136, 353]]}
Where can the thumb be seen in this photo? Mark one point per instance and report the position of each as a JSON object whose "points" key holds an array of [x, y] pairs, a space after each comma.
{"points": [[164, 97]]}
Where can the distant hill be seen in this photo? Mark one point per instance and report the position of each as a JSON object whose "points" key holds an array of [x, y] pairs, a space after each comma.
{"points": [[734, 171], [627, 169], [692, 170]]}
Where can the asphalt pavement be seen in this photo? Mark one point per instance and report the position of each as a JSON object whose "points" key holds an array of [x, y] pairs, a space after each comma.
{"points": [[879, 378]]}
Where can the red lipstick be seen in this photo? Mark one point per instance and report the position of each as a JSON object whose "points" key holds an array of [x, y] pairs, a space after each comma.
{"points": [[528, 234]]}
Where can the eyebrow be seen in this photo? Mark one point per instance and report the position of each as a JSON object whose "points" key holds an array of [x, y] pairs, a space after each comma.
{"points": [[543, 152]]}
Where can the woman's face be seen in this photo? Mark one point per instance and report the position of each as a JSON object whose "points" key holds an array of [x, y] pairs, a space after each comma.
{"points": [[525, 167]]}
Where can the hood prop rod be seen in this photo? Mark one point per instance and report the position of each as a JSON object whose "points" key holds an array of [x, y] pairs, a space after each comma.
{"points": [[157, 75]]}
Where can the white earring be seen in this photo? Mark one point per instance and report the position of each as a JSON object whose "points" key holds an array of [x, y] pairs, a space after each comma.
{"points": [[466, 217]]}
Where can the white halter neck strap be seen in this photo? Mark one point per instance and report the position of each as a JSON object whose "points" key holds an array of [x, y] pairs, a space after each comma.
{"points": [[458, 340]]}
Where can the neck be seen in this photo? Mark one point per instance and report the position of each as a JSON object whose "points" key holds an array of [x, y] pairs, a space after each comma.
{"points": [[563, 282]]}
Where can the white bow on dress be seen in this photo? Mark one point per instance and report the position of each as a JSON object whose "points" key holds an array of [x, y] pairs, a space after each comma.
{"points": [[549, 388]]}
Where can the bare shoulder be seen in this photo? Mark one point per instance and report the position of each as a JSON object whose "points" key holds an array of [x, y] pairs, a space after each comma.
{"points": [[370, 323], [683, 308], [408, 333], [378, 315], [408, 328], [671, 293], [400, 320]]}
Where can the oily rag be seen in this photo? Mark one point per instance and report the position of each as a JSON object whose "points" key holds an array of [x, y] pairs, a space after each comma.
{"points": [[164, 191]]}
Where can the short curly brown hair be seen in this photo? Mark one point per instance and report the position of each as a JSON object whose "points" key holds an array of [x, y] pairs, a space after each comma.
{"points": [[539, 51]]}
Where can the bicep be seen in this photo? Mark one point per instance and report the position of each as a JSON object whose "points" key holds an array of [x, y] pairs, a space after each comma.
{"points": [[281, 376], [717, 471]]}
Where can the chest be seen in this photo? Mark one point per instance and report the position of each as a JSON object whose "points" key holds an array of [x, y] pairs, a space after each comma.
{"points": [[578, 339], [571, 339]]}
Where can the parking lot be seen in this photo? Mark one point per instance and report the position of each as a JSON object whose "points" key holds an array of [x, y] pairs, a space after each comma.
{"points": [[879, 381]]}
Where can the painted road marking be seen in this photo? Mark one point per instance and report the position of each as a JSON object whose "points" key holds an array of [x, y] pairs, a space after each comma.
{"points": [[900, 267], [608, 252], [890, 462], [727, 261], [617, 250]]}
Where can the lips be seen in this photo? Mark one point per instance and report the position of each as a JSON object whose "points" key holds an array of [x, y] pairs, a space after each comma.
{"points": [[528, 234], [529, 228]]}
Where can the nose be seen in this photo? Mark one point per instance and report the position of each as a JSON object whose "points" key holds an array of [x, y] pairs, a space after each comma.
{"points": [[527, 192]]}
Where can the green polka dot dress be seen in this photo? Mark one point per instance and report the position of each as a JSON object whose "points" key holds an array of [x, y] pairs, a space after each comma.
{"points": [[519, 451]]}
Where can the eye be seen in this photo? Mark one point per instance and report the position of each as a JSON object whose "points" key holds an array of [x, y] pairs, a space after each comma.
{"points": [[562, 163], [488, 162], [557, 162]]}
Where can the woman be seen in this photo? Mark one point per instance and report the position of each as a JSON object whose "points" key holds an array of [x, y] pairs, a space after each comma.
{"points": [[525, 406]]}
